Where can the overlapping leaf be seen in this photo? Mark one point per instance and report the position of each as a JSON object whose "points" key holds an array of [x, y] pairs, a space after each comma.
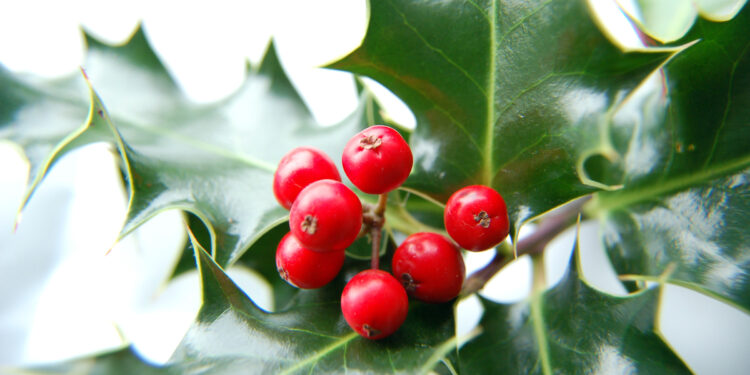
{"points": [[684, 210], [512, 94], [215, 160], [669, 20], [571, 329]]}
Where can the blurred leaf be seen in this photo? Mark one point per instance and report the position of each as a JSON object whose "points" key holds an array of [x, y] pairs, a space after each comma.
{"points": [[686, 203], [665, 20], [719, 10], [669, 20], [512, 94], [571, 329], [124, 361], [214, 160]]}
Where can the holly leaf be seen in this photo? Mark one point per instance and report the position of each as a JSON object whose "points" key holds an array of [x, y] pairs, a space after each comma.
{"points": [[215, 160], [232, 334], [571, 328], [683, 212], [512, 94]]}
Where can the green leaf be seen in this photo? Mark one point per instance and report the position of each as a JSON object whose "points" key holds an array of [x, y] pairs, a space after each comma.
{"points": [[571, 329], [683, 213], [215, 160], [511, 94], [231, 333]]}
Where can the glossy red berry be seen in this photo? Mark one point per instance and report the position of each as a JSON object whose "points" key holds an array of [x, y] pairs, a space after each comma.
{"points": [[326, 216], [430, 267], [374, 304], [305, 268], [476, 217], [377, 159], [299, 168]]}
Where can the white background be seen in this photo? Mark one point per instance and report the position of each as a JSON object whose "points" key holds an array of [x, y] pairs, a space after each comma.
{"points": [[61, 297]]}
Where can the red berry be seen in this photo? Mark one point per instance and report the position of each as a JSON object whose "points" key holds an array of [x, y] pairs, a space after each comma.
{"points": [[326, 216], [299, 168], [430, 267], [374, 304], [377, 159], [305, 268], [476, 217]]}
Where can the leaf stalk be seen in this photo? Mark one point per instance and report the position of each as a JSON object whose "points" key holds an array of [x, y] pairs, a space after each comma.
{"points": [[549, 227]]}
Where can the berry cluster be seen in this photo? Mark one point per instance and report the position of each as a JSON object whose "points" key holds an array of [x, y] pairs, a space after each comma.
{"points": [[326, 217]]}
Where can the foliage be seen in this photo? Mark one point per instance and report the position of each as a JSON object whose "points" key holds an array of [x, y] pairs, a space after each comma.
{"points": [[528, 97]]}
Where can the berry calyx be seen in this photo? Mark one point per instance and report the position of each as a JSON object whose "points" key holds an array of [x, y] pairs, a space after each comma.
{"points": [[377, 159], [430, 267], [476, 218], [326, 216], [305, 268], [299, 168], [374, 304]]}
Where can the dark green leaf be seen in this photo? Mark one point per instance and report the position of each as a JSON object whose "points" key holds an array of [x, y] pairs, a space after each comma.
{"points": [[310, 336], [571, 329], [512, 94], [684, 210]]}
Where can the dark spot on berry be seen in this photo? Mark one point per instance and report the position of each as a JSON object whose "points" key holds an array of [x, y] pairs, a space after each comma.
{"points": [[483, 219], [310, 224], [283, 273], [370, 331], [408, 282], [370, 142]]}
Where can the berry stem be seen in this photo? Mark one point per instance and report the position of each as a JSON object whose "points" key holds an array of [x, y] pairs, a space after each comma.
{"points": [[549, 227], [375, 260], [376, 230], [382, 201]]}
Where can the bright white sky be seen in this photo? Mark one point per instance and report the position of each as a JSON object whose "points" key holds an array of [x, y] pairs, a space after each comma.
{"points": [[68, 300]]}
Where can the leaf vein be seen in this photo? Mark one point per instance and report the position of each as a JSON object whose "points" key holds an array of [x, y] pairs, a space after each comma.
{"points": [[726, 107], [439, 51]]}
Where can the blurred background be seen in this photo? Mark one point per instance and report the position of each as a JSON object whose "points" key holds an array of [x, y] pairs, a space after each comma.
{"points": [[61, 297]]}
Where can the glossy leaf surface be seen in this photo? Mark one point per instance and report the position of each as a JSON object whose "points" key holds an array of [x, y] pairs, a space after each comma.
{"points": [[684, 208], [571, 329], [214, 160], [310, 335], [511, 94]]}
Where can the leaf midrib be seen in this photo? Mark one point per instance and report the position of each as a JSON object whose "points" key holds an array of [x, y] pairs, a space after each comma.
{"points": [[488, 171], [119, 121], [490, 95], [319, 354], [624, 198], [540, 329], [208, 147]]}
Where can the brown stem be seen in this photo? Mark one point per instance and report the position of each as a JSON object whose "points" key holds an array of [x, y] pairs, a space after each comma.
{"points": [[549, 227], [476, 280], [374, 219], [375, 260]]}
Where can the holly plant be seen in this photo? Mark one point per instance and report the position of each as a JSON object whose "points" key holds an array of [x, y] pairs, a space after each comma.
{"points": [[526, 111]]}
